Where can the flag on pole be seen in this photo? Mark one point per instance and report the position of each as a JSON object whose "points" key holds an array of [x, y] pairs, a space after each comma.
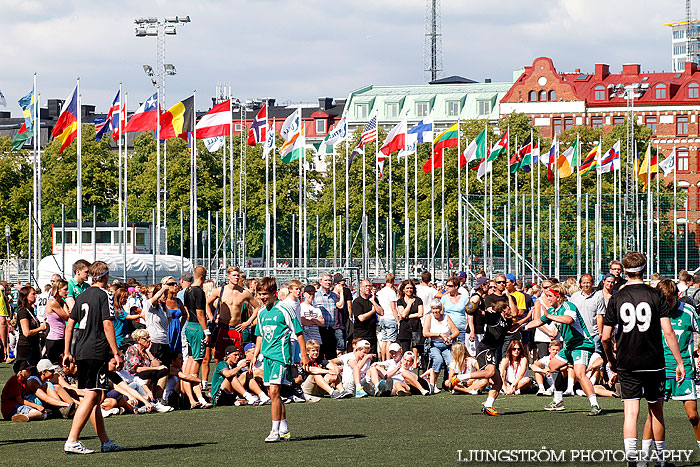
{"points": [[550, 159], [66, 128], [269, 141], [291, 125], [446, 139], [649, 164], [568, 161], [423, 130], [477, 148], [335, 136], [518, 159], [216, 122], [178, 120], [214, 143], [27, 105], [21, 138], [535, 152], [591, 160], [395, 140], [668, 164], [485, 166], [611, 160], [295, 147], [369, 134], [3, 102], [502, 145], [146, 117], [110, 123], [258, 129]]}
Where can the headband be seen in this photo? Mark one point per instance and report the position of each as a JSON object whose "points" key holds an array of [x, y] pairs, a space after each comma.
{"points": [[554, 292], [101, 275], [637, 269]]}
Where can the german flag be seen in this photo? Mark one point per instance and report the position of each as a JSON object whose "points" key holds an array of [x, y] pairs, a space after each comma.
{"points": [[66, 128], [178, 120]]}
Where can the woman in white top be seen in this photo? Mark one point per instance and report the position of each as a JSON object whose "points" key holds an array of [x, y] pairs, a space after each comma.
{"points": [[514, 368], [157, 319], [441, 331], [462, 365]]}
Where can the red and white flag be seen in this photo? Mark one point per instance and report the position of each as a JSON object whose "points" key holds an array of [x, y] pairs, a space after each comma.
{"points": [[258, 129], [395, 140], [216, 122], [146, 117]]}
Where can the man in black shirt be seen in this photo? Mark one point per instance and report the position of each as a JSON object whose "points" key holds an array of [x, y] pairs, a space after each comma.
{"points": [[196, 333], [365, 309], [615, 271], [640, 315], [475, 313], [95, 344]]}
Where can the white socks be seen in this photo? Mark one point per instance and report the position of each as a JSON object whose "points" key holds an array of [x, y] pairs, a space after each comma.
{"points": [[283, 426], [630, 447], [593, 400], [558, 396], [263, 397], [276, 426], [570, 385], [489, 401]]}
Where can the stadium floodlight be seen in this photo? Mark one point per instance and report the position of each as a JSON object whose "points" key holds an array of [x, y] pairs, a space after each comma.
{"points": [[169, 69], [170, 30], [171, 19], [148, 70], [183, 19], [152, 31], [151, 19], [140, 32]]}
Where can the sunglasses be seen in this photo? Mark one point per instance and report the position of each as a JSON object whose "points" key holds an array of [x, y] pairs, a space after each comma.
{"points": [[500, 282], [171, 283]]}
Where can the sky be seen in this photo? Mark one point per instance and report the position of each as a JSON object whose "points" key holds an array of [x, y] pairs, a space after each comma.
{"points": [[300, 50]]}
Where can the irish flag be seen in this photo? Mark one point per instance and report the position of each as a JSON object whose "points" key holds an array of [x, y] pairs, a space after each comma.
{"points": [[568, 161]]}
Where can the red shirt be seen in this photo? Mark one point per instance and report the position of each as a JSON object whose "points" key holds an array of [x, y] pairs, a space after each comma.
{"points": [[13, 390]]}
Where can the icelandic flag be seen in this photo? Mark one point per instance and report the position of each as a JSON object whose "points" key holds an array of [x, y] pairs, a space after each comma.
{"points": [[423, 130]]}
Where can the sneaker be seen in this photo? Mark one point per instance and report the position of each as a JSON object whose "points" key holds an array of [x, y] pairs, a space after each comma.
{"points": [[540, 392], [161, 408], [474, 392], [569, 393], [253, 401], [381, 387], [20, 417], [76, 448], [286, 436], [490, 411], [142, 409], [403, 393], [67, 411], [425, 392], [273, 437], [360, 393], [286, 400], [310, 399], [297, 399], [436, 389], [346, 394], [580, 393], [109, 446], [555, 406], [549, 392], [596, 410], [337, 394], [110, 412]]}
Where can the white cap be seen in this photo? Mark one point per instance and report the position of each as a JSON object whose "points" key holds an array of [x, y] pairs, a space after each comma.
{"points": [[363, 343], [394, 347], [45, 365], [409, 354]]}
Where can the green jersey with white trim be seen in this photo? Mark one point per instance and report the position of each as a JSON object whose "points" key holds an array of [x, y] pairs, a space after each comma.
{"points": [[276, 326], [684, 322], [575, 335]]}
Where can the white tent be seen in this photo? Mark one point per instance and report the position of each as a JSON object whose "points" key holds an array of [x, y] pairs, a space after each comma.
{"points": [[138, 266]]}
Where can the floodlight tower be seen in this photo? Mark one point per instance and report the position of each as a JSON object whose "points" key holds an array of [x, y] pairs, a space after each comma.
{"points": [[433, 39]]}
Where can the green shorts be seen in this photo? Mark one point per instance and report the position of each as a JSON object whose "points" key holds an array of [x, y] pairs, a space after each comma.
{"points": [[275, 372], [195, 340], [575, 356], [683, 392]]}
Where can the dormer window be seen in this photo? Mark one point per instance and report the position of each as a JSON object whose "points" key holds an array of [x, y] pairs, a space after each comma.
{"points": [[599, 93], [661, 91], [693, 91]]}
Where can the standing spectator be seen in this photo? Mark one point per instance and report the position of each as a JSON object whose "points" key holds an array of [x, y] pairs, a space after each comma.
{"points": [[56, 315], [176, 310], [454, 305], [93, 312], [5, 317], [196, 333], [30, 329], [157, 323], [591, 304], [389, 322], [693, 291], [410, 310], [78, 284], [615, 268], [311, 316], [42, 299], [365, 309], [293, 300], [425, 291], [328, 301], [475, 314], [342, 321]]}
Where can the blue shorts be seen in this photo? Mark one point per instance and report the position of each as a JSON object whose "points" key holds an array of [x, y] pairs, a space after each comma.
{"points": [[388, 330]]}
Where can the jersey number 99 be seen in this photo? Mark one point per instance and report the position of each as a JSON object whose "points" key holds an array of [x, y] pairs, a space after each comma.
{"points": [[632, 316]]}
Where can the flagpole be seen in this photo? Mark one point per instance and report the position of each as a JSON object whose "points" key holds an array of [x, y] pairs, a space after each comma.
{"points": [[232, 227], [390, 219], [515, 219], [406, 230], [36, 129], [442, 214], [335, 213], [195, 233], [486, 188], [506, 266], [532, 205], [376, 202], [274, 194], [223, 199], [157, 226], [614, 251], [459, 199], [649, 229], [675, 215], [578, 207], [119, 143], [347, 199], [431, 259], [557, 220], [306, 190], [415, 201], [122, 124], [490, 174], [365, 242], [266, 249], [539, 202], [658, 217], [79, 155], [598, 212]]}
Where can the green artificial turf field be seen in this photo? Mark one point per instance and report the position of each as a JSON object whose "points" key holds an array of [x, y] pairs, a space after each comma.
{"points": [[413, 430]]}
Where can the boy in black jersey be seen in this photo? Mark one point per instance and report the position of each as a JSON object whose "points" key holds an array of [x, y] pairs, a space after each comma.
{"points": [[640, 314], [95, 345], [497, 322]]}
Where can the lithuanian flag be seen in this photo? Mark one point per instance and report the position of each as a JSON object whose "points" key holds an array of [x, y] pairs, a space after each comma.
{"points": [[178, 120], [446, 139], [66, 128]]}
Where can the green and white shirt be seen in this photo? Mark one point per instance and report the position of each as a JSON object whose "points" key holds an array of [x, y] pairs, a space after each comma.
{"points": [[684, 322], [575, 335], [276, 326]]}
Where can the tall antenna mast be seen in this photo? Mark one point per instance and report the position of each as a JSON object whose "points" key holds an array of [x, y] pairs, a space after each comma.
{"points": [[433, 39], [688, 53]]}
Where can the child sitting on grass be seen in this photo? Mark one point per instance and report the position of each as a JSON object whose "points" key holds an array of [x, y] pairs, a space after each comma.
{"points": [[461, 365]]}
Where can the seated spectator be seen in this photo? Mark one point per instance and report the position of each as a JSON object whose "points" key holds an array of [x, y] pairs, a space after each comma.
{"points": [[41, 391], [380, 373], [140, 362], [311, 316], [322, 376], [543, 377], [225, 383], [13, 404], [404, 381], [173, 393], [441, 331], [514, 368], [253, 382], [603, 379], [355, 378], [463, 364], [132, 394]]}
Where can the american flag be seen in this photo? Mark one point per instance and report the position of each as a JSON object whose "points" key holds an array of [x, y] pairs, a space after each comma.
{"points": [[369, 133]]}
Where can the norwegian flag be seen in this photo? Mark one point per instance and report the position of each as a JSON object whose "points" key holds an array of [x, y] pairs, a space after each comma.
{"points": [[258, 129]]}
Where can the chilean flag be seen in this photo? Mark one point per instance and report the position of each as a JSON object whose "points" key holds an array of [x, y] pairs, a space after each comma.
{"points": [[258, 129], [146, 117]]}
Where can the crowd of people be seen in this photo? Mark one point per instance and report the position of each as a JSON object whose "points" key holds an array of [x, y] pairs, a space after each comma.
{"points": [[110, 348]]}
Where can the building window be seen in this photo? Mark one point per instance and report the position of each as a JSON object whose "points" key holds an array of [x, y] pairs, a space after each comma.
{"points": [[361, 111], [661, 91], [141, 238], [683, 160], [320, 126], [597, 122], [693, 91], [484, 107], [568, 122], [104, 236], [618, 120], [679, 34], [650, 121], [87, 237], [556, 124], [238, 127], [599, 93], [452, 108], [421, 109], [392, 109], [552, 95], [543, 96], [532, 96], [682, 125]]}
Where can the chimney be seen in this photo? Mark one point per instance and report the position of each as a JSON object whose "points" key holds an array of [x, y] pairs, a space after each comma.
{"points": [[54, 106], [325, 103], [602, 70], [487, 80], [690, 68], [631, 69], [577, 70], [270, 103]]}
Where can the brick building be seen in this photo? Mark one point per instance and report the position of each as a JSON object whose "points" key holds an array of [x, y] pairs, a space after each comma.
{"points": [[667, 103]]}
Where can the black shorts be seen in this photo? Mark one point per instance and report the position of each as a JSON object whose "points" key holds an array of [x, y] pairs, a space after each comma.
{"points": [[92, 375], [638, 384], [162, 352], [224, 398], [486, 356]]}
